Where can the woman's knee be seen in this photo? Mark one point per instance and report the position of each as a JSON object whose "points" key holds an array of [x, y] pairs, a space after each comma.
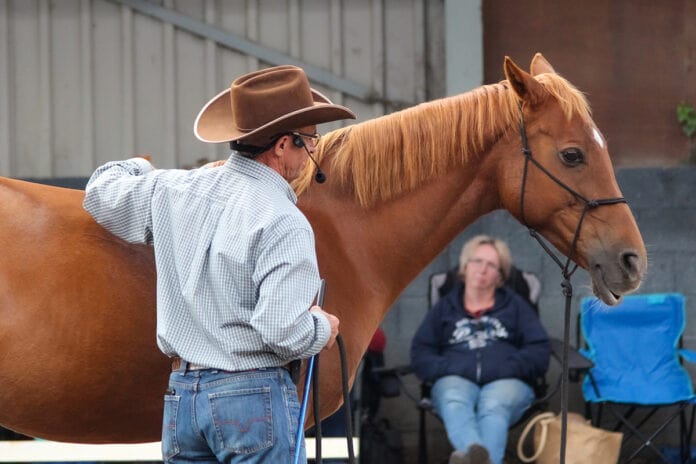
{"points": [[506, 394], [454, 390]]}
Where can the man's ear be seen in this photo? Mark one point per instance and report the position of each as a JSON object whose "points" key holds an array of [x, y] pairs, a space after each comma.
{"points": [[281, 145]]}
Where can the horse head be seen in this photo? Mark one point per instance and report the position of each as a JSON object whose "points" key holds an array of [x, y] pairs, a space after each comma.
{"points": [[553, 184]]}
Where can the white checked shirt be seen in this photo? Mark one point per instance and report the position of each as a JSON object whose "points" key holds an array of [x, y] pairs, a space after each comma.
{"points": [[236, 263]]}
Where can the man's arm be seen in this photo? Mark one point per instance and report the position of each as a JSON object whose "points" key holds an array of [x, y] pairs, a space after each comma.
{"points": [[118, 197], [287, 278]]}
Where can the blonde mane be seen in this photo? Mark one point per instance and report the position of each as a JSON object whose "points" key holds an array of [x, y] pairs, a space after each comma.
{"points": [[384, 157]]}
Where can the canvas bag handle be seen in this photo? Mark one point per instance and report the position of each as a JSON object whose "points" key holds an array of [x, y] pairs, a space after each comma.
{"points": [[543, 418]]}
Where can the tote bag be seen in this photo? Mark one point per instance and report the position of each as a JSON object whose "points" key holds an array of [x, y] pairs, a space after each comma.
{"points": [[585, 444]]}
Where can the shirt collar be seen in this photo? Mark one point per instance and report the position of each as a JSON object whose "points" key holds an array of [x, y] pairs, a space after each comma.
{"points": [[260, 171]]}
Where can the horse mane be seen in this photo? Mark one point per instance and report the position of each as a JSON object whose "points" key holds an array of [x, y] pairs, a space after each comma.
{"points": [[383, 157]]}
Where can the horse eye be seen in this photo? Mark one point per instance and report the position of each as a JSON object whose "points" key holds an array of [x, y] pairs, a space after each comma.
{"points": [[572, 156]]}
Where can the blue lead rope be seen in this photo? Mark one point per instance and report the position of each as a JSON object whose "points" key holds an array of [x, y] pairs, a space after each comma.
{"points": [[303, 411], [305, 397]]}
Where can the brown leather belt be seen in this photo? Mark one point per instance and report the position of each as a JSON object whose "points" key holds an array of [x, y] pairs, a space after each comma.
{"points": [[293, 368], [177, 362]]}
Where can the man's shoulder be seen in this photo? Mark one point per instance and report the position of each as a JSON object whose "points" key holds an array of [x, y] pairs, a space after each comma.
{"points": [[269, 208]]}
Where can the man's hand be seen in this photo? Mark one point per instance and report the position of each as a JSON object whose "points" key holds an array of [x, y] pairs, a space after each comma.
{"points": [[214, 164], [146, 157], [333, 322]]}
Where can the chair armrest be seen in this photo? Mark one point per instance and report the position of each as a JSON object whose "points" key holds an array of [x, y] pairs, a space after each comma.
{"points": [[396, 370], [577, 363], [397, 373], [688, 355]]}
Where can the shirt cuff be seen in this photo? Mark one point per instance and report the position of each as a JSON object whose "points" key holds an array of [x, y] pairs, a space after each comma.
{"points": [[322, 330], [143, 165]]}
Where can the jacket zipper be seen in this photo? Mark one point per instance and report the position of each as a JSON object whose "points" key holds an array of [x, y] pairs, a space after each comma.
{"points": [[478, 366]]}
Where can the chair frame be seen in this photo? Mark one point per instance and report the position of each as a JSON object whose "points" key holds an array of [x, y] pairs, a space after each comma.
{"points": [[577, 363], [594, 411], [541, 387]]}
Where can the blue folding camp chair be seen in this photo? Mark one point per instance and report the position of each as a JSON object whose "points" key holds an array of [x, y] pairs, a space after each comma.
{"points": [[636, 350]]}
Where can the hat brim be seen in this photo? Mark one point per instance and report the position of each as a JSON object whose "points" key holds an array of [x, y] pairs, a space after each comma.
{"points": [[215, 123]]}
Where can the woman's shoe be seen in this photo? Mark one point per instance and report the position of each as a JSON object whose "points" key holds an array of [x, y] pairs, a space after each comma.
{"points": [[476, 454], [459, 457]]}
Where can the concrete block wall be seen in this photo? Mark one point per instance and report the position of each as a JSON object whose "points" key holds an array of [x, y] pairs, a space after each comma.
{"points": [[663, 201]]}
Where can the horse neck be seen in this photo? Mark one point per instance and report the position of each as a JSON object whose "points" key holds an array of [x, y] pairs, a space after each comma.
{"points": [[386, 244], [391, 243], [374, 252], [369, 254]]}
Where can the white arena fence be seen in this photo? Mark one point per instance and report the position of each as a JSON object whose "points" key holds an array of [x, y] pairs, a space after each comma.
{"points": [[50, 451]]}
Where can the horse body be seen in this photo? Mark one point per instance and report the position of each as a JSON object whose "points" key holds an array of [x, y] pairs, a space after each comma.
{"points": [[77, 313], [77, 338]]}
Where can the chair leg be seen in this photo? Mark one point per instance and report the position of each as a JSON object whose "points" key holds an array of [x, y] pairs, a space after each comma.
{"points": [[646, 441], [627, 415], [422, 439], [683, 444], [691, 430], [686, 432]]}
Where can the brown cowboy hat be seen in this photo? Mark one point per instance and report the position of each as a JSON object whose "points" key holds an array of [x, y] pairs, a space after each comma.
{"points": [[264, 104]]}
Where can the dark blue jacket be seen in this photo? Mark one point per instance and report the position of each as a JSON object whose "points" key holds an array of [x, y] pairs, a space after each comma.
{"points": [[508, 341]]}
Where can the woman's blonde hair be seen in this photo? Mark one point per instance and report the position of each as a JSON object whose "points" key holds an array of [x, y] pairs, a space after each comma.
{"points": [[499, 245]]}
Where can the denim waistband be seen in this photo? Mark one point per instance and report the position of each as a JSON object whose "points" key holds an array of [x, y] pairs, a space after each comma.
{"points": [[181, 365], [209, 377]]}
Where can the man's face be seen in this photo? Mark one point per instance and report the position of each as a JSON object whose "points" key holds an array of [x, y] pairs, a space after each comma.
{"points": [[295, 157]]}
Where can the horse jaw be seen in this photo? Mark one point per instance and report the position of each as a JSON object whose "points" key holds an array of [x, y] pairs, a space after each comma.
{"points": [[611, 279]]}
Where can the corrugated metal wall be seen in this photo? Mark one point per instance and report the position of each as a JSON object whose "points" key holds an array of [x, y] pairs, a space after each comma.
{"points": [[87, 81]]}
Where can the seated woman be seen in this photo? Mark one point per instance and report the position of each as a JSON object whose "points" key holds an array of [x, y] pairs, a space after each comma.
{"points": [[481, 346]]}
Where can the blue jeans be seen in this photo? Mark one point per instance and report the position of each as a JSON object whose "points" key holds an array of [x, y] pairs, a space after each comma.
{"points": [[213, 416], [480, 414]]}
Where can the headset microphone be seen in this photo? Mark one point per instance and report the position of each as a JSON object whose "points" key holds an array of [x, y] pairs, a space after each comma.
{"points": [[320, 177]]}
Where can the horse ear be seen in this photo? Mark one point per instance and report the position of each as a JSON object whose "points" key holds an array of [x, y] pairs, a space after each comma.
{"points": [[540, 65], [524, 85]]}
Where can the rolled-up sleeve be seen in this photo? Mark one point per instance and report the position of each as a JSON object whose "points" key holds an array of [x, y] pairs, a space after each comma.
{"points": [[119, 195]]}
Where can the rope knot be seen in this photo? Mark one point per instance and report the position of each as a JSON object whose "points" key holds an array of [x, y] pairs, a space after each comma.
{"points": [[567, 288], [592, 204], [527, 152]]}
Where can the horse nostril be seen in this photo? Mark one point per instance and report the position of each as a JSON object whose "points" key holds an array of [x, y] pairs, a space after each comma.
{"points": [[630, 262]]}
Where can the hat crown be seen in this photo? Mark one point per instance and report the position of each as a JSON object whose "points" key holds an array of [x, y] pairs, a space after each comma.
{"points": [[263, 104], [266, 95]]}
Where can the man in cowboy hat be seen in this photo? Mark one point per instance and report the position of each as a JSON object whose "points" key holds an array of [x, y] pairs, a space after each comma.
{"points": [[236, 268]]}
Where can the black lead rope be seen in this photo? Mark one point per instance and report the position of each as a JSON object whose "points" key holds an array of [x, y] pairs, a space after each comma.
{"points": [[565, 268], [316, 406], [346, 404], [346, 398]]}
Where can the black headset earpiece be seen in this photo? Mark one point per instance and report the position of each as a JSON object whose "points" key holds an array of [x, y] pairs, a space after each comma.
{"points": [[297, 141]]}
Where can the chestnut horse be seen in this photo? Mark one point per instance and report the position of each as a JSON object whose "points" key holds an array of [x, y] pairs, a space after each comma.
{"points": [[78, 359]]}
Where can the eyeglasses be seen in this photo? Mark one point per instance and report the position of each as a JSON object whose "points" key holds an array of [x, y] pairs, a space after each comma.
{"points": [[478, 262], [314, 138]]}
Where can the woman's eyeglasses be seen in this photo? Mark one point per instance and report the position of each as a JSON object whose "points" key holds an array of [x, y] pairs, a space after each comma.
{"points": [[478, 262]]}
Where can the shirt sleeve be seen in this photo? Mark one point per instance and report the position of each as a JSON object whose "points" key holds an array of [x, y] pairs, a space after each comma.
{"points": [[287, 279], [118, 196]]}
